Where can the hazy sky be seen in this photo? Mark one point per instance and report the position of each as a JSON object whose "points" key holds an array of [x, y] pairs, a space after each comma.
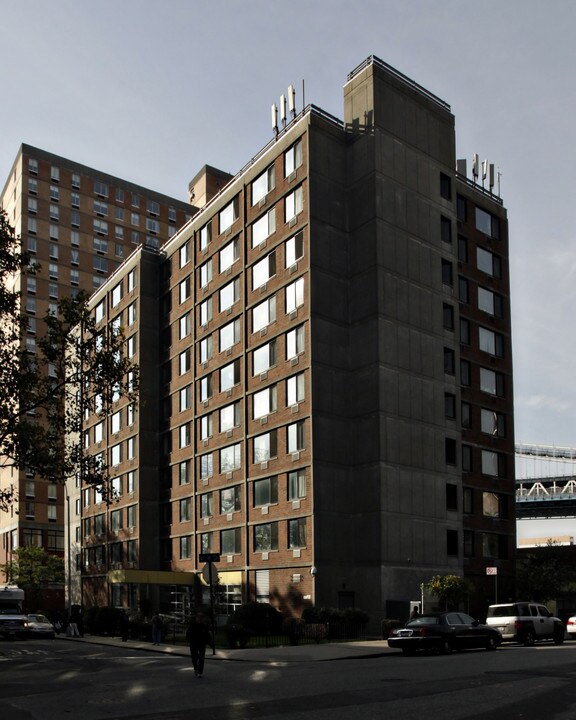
{"points": [[151, 91]]}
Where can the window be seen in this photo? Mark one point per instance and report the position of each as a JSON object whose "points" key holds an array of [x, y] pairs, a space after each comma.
{"points": [[451, 496], [228, 255], [227, 216], [206, 505], [184, 508], [295, 437], [131, 516], [229, 417], [266, 537], [100, 208], [295, 389], [184, 362], [229, 294], [491, 382], [31, 245], [262, 271], [33, 185], [205, 312], [449, 364], [229, 375], [206, 349], [468, 500], [445, 229], [116, 520], [184, 254], [116, 487], [266, 491], [204, 237], [184, 290], [466, 415], [296, 485], [448, 316], [184, 326], [461, 208], [490, 302], [264, 402], [229, 500], [32, 205], [445, 186], [450, 451], [185, 397], [487, 223], [262, 185], [494, 546], [292, 158], [100, 188], [206, 466], [493, 464], [131, 313], [116, 454], [152, 207], [32, 225], [264, 227], [491, 342], [447, 278], [100, 226], [263, 314], [295, 342], [184, 473], [492, 423], [294, 249], [115, 423], [100, 264], [206, 427], [463, 290], [464, 331], [488, 263], [452, 542], [294, 204], [230, 458], [206, 388], [116, 295], [465, 377], [230, 541], [206, 542], [33, 166], [264, 358], [135, 219], [265, 446], [185, 547], [295, 295], [494, 505], [75, 218], [297, 533], [229, 335], [205, 273], [131, 280]]}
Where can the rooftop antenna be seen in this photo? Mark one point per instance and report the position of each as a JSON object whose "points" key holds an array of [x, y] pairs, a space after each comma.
{"points": [[283, 109], [491, 177], [274, 112], [475, 166], [292, 100], [484, 170]]}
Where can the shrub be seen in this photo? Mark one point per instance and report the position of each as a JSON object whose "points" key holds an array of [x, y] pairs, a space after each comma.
{"points": [[294, 628], [315, 631], [236, 635], [387, 627], [258, 618]]}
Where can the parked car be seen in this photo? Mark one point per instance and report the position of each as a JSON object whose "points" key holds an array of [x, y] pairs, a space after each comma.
{"points": [[444, 632], [525, 622], [40, 626], [571, 626]]}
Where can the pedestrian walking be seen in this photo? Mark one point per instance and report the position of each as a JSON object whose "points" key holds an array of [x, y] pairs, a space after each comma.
{"points": [[198, 636], [156, 628]]}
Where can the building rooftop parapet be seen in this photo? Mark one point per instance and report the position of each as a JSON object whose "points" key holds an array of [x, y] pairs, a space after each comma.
{"points": [[373, 60], [476, 186]]}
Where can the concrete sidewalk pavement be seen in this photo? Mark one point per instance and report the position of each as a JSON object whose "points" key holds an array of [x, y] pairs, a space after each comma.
{"points": [[276, 655]]}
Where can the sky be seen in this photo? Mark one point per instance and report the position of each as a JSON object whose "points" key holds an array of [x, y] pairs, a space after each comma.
{"points": [[152, 91]]}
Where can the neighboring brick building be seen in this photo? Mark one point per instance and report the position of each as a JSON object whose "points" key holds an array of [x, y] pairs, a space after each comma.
{"points": [[326, 392], [79, 224]]}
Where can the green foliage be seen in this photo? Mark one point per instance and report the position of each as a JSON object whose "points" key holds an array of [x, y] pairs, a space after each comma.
{"points": [[33, 569], [258, 618], [44, 394], [450, 590], [544, 572]]}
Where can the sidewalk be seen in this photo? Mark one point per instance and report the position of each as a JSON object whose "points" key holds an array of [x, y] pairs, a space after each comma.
{"points": [[281, 654]]}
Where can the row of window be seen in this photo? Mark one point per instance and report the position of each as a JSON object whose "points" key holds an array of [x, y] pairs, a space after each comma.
{"points": [[264, 446], [36, 537], [119, 485], [489, 545], [118, 519], [118, 552]]}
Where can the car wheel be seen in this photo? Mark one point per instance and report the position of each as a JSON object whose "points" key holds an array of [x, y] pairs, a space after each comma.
{"points": [[446, 647], [559, 636], [491, 643], [529, 638]]}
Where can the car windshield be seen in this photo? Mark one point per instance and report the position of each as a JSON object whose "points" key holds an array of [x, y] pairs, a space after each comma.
{"points": [[38, 618], [502, 611]]}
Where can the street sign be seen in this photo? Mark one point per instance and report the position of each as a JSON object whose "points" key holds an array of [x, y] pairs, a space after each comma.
{"points": [[209, 557], [491, 571], [209, 573]]}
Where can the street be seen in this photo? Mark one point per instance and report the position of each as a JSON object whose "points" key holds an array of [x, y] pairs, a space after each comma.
{"points": [[49, 680]]}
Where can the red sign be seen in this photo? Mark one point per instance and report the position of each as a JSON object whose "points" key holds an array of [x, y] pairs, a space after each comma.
{"points": [[491, 571]]}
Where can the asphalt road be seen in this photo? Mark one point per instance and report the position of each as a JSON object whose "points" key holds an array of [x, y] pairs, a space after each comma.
{"points": [[50, 680]]}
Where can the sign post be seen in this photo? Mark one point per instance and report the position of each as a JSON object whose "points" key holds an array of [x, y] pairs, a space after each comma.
{"points": [[208, 572], [494, 571]]}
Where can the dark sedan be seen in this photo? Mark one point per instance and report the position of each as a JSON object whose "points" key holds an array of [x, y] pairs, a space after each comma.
{"points": [[444, 632]]}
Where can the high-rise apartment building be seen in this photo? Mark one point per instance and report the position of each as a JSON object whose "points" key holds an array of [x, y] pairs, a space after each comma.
{"points": [[80, 224], [326, 374]]}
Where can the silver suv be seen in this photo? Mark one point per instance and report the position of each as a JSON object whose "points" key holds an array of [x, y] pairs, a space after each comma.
{"points": [[525, 622]]}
